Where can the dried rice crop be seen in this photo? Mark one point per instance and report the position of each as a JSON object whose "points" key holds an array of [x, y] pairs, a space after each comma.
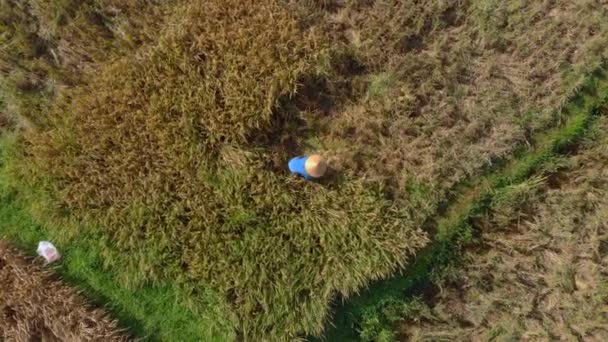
{"points": [[35, 306]]}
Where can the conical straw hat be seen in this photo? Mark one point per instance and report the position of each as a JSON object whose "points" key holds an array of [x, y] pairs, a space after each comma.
{"points": [[315, 166]]}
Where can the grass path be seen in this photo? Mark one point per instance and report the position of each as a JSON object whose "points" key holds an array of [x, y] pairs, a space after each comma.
{"points": [[453, 227]]}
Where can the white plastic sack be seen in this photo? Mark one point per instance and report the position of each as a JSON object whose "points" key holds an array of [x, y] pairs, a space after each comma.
{"points": [[48, 251]]}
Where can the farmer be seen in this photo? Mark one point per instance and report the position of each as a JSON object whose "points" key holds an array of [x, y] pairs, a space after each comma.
{"points": [[310, 168]]}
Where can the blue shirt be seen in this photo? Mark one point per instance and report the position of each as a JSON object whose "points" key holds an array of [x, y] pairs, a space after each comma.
{"points": [[297, 166]]}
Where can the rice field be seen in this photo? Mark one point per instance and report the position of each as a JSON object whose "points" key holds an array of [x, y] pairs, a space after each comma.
{"points": [[149, 141]]}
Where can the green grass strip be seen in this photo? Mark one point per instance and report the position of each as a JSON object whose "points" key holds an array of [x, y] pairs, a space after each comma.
{"points": [[454, 229]]}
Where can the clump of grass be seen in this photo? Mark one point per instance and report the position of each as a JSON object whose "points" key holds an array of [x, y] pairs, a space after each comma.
{"points": [[508, 203], [155, 156], [380, 327]]}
